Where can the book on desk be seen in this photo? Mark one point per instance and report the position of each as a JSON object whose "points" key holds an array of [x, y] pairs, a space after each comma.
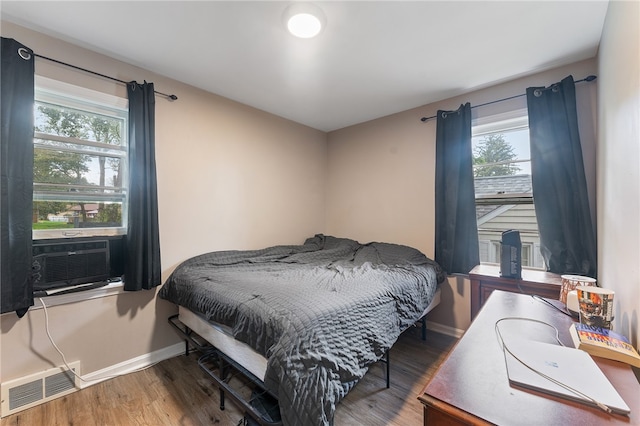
{"points": [[604, 343]]}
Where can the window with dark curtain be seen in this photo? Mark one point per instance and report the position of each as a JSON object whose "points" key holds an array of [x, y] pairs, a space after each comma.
{"points": [[456, 227], [16, 169], [567, 239], [142, 265]]}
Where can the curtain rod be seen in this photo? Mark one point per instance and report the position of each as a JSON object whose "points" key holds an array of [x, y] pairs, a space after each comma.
{"points": [[588, 78], [170, 97]]}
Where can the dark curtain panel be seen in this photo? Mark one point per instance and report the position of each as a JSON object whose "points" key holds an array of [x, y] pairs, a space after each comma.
{"points": [[142, 265], [567, 240], [457, 249], [16, 168]]}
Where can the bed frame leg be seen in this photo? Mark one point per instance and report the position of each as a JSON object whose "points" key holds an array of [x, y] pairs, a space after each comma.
{"points": [[424, 328], [222, 372], [388, 369], [187, 332]]}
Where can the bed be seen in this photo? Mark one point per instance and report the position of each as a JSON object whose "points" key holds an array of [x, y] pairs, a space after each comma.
{"points": [[307, 320]]}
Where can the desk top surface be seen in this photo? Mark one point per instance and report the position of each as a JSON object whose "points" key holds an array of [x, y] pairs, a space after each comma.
{"points": [[474, 379]]}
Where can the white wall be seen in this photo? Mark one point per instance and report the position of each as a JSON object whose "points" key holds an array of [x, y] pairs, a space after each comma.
{"points": [[619, 163]]}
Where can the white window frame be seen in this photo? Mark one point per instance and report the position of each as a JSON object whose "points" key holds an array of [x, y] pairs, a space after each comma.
{"points": [[501, 123], [59, 93], [527, 254]]}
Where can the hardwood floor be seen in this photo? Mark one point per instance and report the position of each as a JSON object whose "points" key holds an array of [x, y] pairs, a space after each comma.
{"points": [[177, 392]]}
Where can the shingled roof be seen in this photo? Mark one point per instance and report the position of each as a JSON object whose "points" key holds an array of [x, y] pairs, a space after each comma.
{"points": [[493, 185], [518, 184]]}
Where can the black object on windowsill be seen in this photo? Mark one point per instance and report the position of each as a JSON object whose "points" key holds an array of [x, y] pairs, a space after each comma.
{"points": [[511, 255]]}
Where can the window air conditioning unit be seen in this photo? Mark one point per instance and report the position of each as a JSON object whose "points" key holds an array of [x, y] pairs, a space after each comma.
{"points": [[67, 264]]}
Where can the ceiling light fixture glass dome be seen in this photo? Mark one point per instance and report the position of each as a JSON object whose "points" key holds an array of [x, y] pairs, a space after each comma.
{"points": [[304, 20]]}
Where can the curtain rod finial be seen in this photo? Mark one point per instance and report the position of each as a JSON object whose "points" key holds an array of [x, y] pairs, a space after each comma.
{"points": [[590, 78]]}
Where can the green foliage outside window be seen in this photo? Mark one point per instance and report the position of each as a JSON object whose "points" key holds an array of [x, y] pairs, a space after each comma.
{"points": [[493, 154], [72, 169]]}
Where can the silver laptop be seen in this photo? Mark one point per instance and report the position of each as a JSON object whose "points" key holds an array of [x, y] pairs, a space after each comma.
{"points": [[569, 366]]}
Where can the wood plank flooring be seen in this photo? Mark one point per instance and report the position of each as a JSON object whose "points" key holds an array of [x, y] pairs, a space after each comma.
{"points": [[177, 392]]}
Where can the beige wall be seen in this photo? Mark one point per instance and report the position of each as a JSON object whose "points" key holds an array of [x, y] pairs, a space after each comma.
{"points": [[232, 177], [380, 174], [619, 164], [229, 177]]}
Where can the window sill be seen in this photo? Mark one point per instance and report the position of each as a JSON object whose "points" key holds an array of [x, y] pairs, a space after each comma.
{"points": [[110, 289], [530, 268]]}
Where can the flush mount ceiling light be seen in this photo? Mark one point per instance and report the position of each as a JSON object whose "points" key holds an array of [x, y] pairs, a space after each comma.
{"points": [[304, 20]]}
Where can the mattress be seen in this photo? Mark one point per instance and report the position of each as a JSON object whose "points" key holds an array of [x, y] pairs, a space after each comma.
{"points": [[221, 336]]}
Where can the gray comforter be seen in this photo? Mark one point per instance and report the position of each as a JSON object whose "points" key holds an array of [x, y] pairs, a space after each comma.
{"points": [[321, 313]]}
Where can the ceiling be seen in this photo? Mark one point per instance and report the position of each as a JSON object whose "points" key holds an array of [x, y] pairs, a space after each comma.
{"points": [[372, 59]]}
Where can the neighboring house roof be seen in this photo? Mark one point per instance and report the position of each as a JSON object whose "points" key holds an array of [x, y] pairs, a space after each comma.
{"points": [[87, 207], [76, 209], [493, 185], [520, 184]]}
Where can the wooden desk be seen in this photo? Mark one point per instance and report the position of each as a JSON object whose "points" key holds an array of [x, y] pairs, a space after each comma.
{"points": [[471, 386], [486, 278]]}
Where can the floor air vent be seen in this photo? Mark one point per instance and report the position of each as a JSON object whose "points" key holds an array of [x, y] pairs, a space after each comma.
{"points": [[38, 388]]}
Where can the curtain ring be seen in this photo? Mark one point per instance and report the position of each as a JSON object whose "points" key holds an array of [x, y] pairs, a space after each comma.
{"points": [[444, 114], [554, 88], [24, 53], [537, 93]]}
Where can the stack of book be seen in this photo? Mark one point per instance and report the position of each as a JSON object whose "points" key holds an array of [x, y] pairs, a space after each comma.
{"points": [[604, 343]]}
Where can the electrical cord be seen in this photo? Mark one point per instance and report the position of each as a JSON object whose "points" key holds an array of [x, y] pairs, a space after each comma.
{"points": [[505, 350], [543, 300], [64, 359], [499, 334]]}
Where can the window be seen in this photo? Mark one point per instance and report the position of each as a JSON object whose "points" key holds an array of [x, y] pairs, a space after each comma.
{"points": [[80, 162], [502, 180]]}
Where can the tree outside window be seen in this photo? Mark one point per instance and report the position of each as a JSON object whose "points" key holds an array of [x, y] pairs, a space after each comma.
{"points": [[79, 164], [504, 198]]}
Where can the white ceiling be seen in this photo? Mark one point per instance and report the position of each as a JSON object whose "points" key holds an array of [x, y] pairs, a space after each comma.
{"points": [[372, 59]]}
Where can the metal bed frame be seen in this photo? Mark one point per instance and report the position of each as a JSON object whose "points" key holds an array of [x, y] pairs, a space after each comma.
{"points": [[240, 385]]}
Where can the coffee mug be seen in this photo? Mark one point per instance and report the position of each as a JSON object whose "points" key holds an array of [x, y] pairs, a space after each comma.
{"points": [[570, 282], [596, 306]]}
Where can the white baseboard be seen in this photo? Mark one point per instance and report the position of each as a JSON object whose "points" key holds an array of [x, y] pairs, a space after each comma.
{"points": [[131, 365], [445, 329]]}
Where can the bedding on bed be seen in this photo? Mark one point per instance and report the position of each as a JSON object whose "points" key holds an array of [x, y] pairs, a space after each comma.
{"points": [[321, 312]]}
